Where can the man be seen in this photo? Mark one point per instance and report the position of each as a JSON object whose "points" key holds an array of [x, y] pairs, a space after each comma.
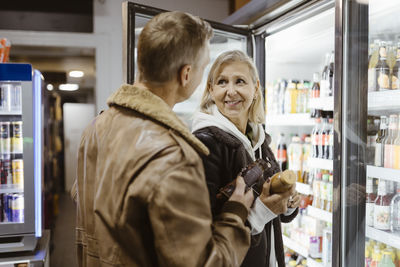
{"points": [[142, 198]]}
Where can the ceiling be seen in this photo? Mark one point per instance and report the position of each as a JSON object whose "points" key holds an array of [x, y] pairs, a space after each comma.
{"points": [[55, 61]]}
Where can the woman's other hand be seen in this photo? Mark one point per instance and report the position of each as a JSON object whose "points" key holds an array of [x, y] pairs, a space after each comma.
{"points": [[277, 203]]}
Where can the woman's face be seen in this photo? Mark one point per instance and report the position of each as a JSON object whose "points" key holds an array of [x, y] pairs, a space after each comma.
{"points": [[233, 91]]}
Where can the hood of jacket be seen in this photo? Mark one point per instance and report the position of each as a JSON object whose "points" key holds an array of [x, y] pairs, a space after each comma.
{"points": [[203, 120], [149, 104]]}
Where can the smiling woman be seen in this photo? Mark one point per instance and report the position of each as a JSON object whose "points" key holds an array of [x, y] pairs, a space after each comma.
{"points": [[230, 125]]}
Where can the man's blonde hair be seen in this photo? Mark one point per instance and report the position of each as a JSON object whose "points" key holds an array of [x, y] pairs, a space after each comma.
{"points": [[256, 110], [169, 41]]}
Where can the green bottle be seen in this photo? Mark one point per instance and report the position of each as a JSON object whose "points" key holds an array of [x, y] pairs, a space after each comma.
{"points": [[386, 260]]}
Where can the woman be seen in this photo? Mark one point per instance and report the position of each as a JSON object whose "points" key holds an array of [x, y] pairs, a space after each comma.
{"points": [[230, 125]]}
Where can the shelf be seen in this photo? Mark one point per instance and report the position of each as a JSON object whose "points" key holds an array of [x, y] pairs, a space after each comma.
{"points": [[381, 101], [293, 245], [303, 188], [313, 263], [387, 238], [10, 113], [295, 119], [7, 188], [316, 163], [383, 173], [323, 103], [319, 214]]}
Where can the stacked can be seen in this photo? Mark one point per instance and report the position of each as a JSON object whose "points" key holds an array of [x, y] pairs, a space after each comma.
{"points": [[12, 208], [16, 142]]}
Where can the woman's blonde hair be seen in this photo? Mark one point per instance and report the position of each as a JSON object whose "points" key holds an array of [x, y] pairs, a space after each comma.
{"points": [[256, 110]]}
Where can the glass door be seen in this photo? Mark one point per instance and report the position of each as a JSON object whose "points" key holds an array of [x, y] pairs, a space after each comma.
{"points": [[225, 38], [299, 95], [382, 218]]}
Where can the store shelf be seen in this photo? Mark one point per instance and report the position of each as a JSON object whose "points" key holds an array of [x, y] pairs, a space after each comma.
{"points": [[295, 119], [313, 263], [381, 101], [10, 113], [316, 163], [293, 245], [323, 103], [391, 239], [384, 173], [6, 188], [319, 214], [304, 189]]}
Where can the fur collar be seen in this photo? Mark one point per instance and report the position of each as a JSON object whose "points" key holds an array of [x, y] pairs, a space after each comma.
{"points": [[145, 102]]}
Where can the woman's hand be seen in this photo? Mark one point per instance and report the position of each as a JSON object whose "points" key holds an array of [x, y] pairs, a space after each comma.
{"points": [[294, 200], [277, 203], [240, 195]]}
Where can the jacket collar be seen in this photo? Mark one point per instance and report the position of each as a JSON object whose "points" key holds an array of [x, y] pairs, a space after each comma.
{"points": [[203, 120], [147, 103]]}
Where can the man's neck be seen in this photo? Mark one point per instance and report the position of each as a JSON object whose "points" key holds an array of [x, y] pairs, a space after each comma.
{"points": [[166, 91]]}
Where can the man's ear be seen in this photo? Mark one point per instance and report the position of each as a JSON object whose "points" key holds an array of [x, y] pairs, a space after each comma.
{"points": [[184, 75]]}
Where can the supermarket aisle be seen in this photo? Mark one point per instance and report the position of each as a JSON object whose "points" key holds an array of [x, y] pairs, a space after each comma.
{"points": [[63, 254]]}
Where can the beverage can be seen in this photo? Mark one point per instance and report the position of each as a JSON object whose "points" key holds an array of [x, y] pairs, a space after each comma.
{"points": [[17, 208], [18, 172], [6, 174], [16, 101], [5, 97], [17, 140], [5, 142]]}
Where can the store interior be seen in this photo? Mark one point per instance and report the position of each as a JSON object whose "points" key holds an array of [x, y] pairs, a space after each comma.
{"points": [[78, 49]]}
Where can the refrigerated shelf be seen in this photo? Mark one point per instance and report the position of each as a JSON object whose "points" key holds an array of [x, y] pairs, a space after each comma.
{"points": [[319, 214], [295, 119], [383, 173], [391, 239], [293, 245], [313, 263], [323, 103], [303, 188], [383, 102], [10, 113], [325, 164], [6, 188]]}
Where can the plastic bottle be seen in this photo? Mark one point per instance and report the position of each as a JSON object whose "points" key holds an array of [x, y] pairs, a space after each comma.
{"points": [[323, 139], [306, 155], [376, 256], [315, 136], [324, 84], [295, 154], [331, 139], [317, 189], [315, 90], [382, 208], [396, 149], [395, 212], [379, 151], [370, 202], [389, 142], [386, 260], [281, 156]]}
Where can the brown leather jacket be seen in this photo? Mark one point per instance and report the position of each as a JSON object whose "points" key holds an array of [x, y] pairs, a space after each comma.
{"points": [[141, 194]]}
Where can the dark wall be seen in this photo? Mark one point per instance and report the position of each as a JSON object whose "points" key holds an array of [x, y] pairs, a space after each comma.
{"points": [[46, 15]]}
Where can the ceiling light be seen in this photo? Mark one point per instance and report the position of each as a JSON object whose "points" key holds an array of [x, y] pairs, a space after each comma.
{"points": [[69, 87], [50, 87], [76, 73]]}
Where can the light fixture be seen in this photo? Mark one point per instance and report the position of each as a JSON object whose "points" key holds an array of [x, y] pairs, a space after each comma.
{"points": [[69, 87], [50, 87], [76, 73]]}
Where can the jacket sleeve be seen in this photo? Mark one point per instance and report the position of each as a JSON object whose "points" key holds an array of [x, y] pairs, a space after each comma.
{"points": [[289, 218], [212, 168], [184, 231]]}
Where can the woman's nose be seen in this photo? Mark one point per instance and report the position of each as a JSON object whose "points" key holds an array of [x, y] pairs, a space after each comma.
{"points": [[230, 89]]}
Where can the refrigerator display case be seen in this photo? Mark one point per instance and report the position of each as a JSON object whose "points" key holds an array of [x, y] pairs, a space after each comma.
{"points": [[21, 153], [330, 69]]}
